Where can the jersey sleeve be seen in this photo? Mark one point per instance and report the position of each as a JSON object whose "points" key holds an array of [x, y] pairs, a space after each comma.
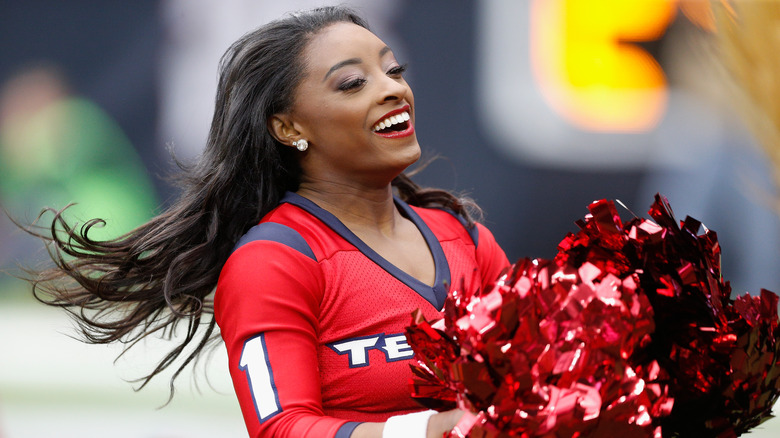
{"points": [[266, 306], [491, 259]]}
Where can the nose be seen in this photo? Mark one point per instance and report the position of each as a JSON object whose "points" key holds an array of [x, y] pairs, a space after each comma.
{"points": [[392, 89]]}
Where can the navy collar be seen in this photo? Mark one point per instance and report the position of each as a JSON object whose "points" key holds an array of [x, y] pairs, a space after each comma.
{"points": [[433, 294]]}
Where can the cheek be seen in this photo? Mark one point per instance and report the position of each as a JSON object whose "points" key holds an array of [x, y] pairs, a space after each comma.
{"points": [[337, 121], [329, 119]]}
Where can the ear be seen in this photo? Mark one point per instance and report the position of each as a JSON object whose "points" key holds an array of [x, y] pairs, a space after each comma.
{"points": [[282, 129]]}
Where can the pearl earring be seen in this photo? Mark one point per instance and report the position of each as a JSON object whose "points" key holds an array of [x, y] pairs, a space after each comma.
{"points": [[301, 144]]}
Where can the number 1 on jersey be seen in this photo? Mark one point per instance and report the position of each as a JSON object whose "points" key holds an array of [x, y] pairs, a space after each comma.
{"points": [[255, 364]]}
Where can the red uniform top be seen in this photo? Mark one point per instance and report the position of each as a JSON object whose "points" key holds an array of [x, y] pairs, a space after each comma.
{"points": [[313, 319]]}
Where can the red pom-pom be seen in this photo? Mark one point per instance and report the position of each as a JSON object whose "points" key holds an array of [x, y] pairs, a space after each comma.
{"points": [[630, 329]]}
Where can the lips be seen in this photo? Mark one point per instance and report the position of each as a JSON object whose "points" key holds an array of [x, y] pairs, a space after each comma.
{"points": [[396, 123]]}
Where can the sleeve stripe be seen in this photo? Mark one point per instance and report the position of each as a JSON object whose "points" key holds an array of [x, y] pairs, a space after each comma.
{"points": [[275, 232], [346, 429]]}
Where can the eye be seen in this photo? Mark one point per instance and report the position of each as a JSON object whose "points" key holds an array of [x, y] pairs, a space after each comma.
{"points": [[397, 70], [352, 84]]}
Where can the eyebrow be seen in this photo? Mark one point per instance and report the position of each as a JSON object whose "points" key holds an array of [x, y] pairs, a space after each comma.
{"points": [[344, 63], [352, 61]]}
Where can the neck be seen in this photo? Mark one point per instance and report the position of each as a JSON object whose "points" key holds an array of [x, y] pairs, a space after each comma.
{"points": [[359, 208]]}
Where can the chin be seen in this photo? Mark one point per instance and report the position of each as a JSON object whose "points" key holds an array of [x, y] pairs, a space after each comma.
{"points": [[412, 153], [404, 157]]}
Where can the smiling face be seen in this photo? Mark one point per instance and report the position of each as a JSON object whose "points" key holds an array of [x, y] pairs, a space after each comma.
{"points": [[354, 108]]}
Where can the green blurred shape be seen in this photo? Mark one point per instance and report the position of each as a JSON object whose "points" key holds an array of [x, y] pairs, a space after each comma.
{"points": [[70, 151]]}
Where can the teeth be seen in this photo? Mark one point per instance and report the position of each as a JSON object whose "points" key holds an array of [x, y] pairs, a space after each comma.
{"points": [[392, 120]]}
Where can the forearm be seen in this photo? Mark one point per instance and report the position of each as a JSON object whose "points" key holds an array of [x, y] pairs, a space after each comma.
{"points": [[437, 425], [368, 430]]}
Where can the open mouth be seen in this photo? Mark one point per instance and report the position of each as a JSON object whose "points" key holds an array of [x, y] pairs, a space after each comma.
{"points": [[396, 123]]}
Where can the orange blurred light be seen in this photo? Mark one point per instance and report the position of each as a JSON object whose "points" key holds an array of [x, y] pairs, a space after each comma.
{"points": [[589, 70]]}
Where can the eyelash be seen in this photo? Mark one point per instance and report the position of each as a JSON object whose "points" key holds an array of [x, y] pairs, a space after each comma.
{"points": [[398, 70], [358, 82], [352, 84]]}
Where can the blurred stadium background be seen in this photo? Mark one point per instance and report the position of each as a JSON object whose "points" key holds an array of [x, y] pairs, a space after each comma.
{"points": [[537, 107]]}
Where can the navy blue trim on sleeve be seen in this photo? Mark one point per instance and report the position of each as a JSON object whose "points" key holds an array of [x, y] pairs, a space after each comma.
{"points": [[271, 231], [346, 429]]}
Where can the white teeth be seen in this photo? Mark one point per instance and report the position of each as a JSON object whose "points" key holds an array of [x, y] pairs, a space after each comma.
{"points": [[392, 120]]}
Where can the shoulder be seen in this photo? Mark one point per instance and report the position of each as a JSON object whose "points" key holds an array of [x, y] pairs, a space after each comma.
{"points": [[448, 224], [271, 263], [288, 228], [278, 240], [278, 233]]}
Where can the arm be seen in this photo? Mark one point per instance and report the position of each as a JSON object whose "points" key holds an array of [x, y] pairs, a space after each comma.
{"points": [[267, 305]]}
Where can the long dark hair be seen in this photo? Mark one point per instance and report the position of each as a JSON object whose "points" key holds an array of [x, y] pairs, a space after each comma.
{"points": [[161, 275]]}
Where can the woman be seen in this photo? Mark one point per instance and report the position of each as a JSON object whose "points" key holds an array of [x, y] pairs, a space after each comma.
{"points": [[313, 127]]}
